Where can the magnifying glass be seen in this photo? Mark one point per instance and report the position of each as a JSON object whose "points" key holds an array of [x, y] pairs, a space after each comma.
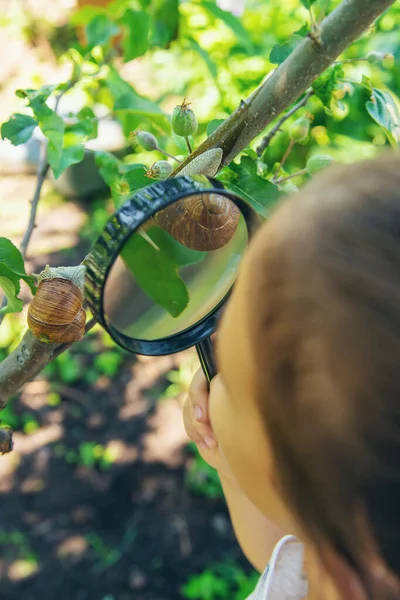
{"points": [[159, 274]]}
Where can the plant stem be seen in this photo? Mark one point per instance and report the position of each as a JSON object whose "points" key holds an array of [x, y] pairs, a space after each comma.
{"points": [[297, 174], [43, 169], [188, 145], [351, 60], [324, 9], [168, 154], [284, 159], [312, 19], [267, 139]]}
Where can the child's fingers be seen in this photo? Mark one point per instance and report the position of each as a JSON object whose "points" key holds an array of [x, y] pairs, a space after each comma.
{"points": [[200, 433], [198, 396]]}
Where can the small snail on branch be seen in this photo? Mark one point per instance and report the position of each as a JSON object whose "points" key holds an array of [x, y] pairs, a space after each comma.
{"points": [[56, 314]]}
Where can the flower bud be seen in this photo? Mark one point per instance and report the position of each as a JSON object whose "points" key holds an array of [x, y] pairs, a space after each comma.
{"points": [[184, 122], [299, 129], [318, 162], [159, 170], [146, 140]]}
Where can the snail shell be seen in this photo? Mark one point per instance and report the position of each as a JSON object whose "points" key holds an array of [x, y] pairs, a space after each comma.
{"points": [[201, 222], [56, 314]]}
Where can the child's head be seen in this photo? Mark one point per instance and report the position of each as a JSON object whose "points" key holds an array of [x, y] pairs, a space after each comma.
{"points": [[310, 355]]}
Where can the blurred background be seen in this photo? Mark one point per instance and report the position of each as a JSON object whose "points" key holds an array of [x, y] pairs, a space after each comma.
{"points": [[102, 498]]}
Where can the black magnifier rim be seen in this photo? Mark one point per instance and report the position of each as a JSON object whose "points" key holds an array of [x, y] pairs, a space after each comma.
{"points": [[129, 217]]}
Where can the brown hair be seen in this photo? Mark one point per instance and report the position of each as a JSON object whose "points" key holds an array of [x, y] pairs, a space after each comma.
{"points": [[326, 298]]}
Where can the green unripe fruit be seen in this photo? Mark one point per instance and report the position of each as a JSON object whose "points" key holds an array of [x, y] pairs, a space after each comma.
{"points": [[375, 57], [288, 187], [183, 122], [318, 162], [160, 170], [146, 140], [299, 129]]}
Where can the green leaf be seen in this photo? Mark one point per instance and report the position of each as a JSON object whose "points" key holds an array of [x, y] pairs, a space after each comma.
{"points": [[14, 304], [156, 273], [100, 30], [18, 129], [53, 128], [260, 193], [177, 252], [133, 179], [37, 100], [11, 257], [110, 168], [308, 3], [212, 67], [326, 84], [130, 107], [165, 18], [213, 125], [136, 177], [280, 52], [85, 128], [384, 110], [12, 270], [86, 14], [233, 23], [69, 156], [136, 37]]}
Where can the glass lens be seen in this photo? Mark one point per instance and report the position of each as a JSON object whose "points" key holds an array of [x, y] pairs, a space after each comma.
{"points": [[176, 268]]}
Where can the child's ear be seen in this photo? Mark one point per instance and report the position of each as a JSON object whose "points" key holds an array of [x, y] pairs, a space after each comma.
{"points": [[345, 579]]}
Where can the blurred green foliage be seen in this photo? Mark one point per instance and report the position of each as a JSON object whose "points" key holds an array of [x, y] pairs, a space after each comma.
{"points": [[201, 478], [221, 581]]}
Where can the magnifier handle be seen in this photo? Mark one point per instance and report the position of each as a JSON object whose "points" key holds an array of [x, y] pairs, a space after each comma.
{"points": [[206, 353]]}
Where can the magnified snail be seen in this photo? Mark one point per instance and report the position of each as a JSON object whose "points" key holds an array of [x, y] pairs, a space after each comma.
{"points": [[201, 222], [56, 314]]}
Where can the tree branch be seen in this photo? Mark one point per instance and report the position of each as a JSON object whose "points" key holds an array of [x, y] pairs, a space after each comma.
{"points": [[265, 142], [43, 169], [292, 78], [26, 361]]}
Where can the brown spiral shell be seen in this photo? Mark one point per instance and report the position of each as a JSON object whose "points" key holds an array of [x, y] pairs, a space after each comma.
{"points": [[201, 222], [56, 314]]}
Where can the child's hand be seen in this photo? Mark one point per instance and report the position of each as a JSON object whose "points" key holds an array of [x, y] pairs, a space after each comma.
{"points": [[196, 418]]}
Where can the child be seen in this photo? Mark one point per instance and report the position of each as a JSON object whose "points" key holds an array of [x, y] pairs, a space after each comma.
{"points": [[303, 421]]}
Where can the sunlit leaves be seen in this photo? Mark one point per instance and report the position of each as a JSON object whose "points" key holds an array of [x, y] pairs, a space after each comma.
{"points": [[235, 24], [130, 106], [280, 52], [100, 30], [326, 84], [308, 3], [12, 270], [165, 22], [136, 25], [383, 109], [18, 129]]}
